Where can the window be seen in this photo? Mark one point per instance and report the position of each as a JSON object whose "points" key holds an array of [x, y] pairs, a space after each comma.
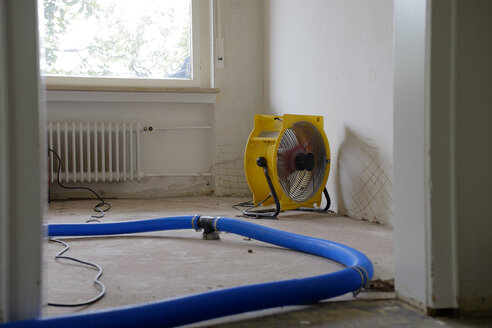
{"points": [[122, 42]]}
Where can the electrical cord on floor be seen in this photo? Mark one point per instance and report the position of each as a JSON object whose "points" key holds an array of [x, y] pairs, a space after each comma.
{"points": [[97, 282], [102, 207], [249, 206]]}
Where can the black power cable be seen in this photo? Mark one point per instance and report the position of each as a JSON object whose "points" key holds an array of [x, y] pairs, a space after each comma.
{"points": [[102, 207], [326, 209], [273, 212], [267, 213], [249, 206], [97, 282]]}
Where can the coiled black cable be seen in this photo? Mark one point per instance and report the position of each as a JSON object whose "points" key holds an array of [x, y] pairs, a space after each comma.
{"points": [[102, 207], [98, 283]]}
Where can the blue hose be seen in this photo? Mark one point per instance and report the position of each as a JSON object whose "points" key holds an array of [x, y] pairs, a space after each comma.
{"points": [[213, 304]]}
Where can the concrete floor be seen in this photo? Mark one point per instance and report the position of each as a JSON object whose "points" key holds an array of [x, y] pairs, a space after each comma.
{"points": [[151, 266], [363, 314]]}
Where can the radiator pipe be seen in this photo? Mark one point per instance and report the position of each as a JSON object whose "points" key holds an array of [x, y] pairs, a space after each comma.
{"points": [[213, 304], [170, 128]]}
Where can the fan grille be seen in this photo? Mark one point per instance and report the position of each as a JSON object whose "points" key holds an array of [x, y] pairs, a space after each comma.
{"points": [[301, 185]]}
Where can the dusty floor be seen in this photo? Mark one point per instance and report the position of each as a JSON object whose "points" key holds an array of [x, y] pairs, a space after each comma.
{"points": [[146, 267], [363, 314]]}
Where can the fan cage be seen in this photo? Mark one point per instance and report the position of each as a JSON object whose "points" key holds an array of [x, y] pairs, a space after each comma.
{"points": [[301, 185]]}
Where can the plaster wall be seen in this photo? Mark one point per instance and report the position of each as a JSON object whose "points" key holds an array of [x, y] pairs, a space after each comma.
{"points": [[411, 151], [335, 58], [443, 154], [4, 199], [474, 153], [21, 168], [165, 153], [240, 25], [218, 151]]}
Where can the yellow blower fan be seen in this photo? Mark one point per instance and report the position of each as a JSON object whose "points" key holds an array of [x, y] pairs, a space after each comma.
{"points": [[287, 161]]}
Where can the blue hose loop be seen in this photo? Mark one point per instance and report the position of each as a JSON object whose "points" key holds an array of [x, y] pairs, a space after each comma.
{"points": [[223, 302], [338, 252], [118, 228]]}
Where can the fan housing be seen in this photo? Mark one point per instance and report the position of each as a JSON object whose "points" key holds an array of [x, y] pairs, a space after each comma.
{"points": [[297, 159]]}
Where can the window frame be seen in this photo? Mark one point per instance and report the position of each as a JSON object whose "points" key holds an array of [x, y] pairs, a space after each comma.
{"points": [[201, 48]]}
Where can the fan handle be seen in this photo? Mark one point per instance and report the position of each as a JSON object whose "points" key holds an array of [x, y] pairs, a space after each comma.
{"points": [[262, 162]]}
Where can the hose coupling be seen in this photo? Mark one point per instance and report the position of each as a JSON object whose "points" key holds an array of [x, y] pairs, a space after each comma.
{"points": [[209, 226], [365, 279]]}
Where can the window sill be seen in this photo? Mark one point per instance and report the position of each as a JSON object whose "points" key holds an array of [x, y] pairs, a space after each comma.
{"points": [[52, 87], [130, 94]]}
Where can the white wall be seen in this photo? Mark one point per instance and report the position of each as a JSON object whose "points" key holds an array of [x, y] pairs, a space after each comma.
{"points": [[411, 152], [172, 157], [474, 152], [3, 162], [240, 25], [443, 154], [165, 153], [219, 151], [439, 153], [335, 58], [21, 177]]}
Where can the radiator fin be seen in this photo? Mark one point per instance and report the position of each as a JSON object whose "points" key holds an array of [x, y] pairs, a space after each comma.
{"points": [[95, 152]]}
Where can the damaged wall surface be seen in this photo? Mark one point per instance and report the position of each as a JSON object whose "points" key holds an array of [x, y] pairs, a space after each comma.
{"points": [[334, 58], [240, 25], [168, 157]]}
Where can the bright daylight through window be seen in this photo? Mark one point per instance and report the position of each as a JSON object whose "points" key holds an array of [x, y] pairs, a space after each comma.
{"points": [[116, 39]]}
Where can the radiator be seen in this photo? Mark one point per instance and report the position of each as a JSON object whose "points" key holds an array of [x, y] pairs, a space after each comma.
{"points": [[95, 152]]}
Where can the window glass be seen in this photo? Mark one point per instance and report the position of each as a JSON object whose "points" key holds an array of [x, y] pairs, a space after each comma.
{"points": [[144, 39]]}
